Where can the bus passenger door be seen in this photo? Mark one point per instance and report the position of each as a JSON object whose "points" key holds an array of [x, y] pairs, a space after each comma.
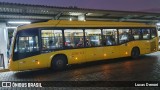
{"points": [[125, 37], [154, 40], [148, 44]]}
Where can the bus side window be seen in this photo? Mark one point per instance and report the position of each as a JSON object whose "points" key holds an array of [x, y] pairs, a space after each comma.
{"points": [[125, 35], [137, 35], [93, 37], [88, 44], [109, 37], [153, 33], [73, 38], [51, 39], [109, 40], [131, 37], [146, 34], [80, 43]]}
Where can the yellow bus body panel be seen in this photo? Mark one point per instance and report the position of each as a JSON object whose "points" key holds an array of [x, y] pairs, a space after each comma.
{"points": [[82, 55]]}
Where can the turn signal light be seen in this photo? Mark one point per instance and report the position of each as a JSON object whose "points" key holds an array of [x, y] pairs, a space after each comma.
{"points": [[38, 62]]}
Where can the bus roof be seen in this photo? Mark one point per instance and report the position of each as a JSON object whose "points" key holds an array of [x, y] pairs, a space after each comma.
{"points": [[66, 23]]}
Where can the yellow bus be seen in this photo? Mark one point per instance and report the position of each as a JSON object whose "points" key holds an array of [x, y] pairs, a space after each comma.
{"points": [[58, 43]]}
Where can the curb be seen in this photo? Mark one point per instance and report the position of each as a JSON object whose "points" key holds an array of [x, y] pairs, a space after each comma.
{"points": [[4, 70]]}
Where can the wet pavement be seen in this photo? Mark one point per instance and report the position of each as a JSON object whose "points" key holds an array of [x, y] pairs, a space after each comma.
{"points": [[146, 68]]}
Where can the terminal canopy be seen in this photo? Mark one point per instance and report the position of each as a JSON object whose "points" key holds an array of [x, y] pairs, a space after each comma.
{"points": [[36, 13]]}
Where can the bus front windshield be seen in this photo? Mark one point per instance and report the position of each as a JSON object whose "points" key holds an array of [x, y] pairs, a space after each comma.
{"points": [[26, 44]]}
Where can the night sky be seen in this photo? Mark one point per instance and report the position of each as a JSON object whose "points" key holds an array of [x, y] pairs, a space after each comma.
{"points": [[126, 5]]}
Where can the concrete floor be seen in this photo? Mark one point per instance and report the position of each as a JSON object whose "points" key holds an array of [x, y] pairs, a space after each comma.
{"points": [[146, 68]]}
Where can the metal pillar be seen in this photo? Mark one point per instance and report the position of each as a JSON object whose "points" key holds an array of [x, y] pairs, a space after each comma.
{"points": [[3, 43], [2, 61]]}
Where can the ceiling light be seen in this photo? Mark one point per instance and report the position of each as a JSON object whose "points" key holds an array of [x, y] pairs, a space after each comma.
{"points": [[19, 22], [75, 13], [11, 27], [158, 24]]}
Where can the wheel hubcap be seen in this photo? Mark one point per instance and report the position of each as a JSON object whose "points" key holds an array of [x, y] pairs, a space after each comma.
{"points": [[59, 63]]}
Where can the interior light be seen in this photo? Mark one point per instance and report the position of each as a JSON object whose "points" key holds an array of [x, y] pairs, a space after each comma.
{"points": [[11, 27], [75, 13], [19, 22]]}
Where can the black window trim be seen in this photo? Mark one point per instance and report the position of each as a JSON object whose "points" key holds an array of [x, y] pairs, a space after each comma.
{"points": [[83, 28], [101, 28]]}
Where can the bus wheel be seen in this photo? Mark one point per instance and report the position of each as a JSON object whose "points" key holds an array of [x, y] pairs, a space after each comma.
{"points": [[59, 62], [135, 53]]}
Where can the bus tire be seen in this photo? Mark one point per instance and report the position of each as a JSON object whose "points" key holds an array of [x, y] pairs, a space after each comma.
{"points": [[135, 53], [59, 62]]}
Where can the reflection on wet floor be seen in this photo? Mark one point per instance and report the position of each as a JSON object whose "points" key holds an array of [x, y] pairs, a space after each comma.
{"points": [[147, 67]]}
